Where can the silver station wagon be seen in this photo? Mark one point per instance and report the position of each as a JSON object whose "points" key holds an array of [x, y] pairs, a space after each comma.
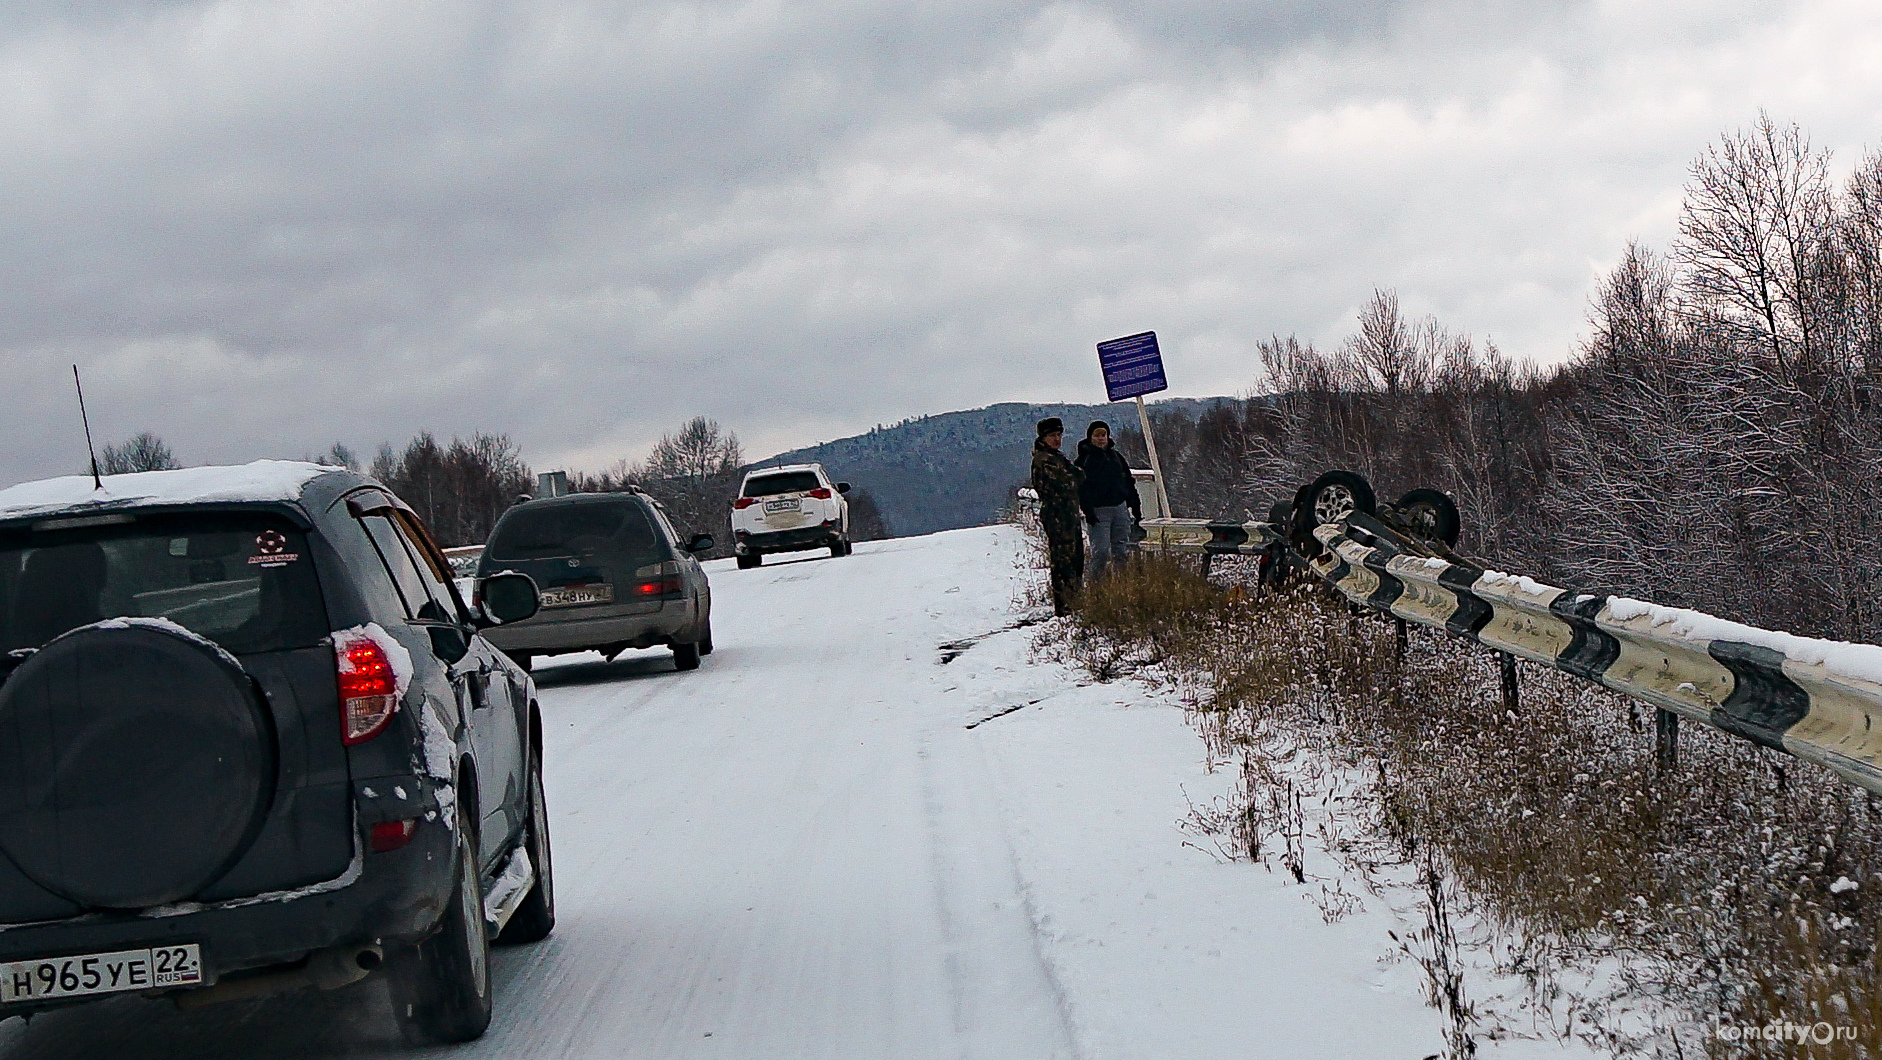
{"points": [[613, 575]]}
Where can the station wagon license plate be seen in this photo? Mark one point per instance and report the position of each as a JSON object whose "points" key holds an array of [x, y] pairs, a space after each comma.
{"points": [[781, 506], [101, 973], [570, 595]]}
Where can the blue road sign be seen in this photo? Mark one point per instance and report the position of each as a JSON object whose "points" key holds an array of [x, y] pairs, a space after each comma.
{"points": [[1132, 365]]}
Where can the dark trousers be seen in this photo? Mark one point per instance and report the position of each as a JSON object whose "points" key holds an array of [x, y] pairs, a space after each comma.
{"points": [[1067, 553]]}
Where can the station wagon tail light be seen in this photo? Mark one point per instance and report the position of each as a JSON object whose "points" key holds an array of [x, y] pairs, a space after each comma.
{"points": [[368, 687], [660, 587], [820, 493], [744, 502]]}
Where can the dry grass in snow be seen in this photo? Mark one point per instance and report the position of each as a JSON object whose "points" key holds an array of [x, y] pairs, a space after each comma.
{"points": [[1638, 912]]}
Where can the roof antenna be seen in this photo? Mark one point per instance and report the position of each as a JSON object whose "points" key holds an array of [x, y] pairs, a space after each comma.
{"points": [[97, 482]]}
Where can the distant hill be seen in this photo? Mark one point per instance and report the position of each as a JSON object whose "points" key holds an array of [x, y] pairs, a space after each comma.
{"points": [[958, 469]]}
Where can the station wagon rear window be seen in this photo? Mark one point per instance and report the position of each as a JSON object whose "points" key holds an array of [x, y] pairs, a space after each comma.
{"points": [[785, 482], [584, 529], [244, 581]]}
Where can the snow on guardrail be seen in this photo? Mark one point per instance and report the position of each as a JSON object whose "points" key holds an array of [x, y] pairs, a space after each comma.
{"points": [[1817, 700]]}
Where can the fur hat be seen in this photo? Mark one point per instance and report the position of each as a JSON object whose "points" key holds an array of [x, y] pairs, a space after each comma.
{"points": [[1095, 424], [1051, 425]]}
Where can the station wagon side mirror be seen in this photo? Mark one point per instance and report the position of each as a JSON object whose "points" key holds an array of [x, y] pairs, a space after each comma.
{"points": [[699, 543], [507, 597], [842, 487]]}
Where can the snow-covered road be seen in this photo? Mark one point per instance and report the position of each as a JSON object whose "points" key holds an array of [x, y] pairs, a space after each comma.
{"points": [[800, 850]]}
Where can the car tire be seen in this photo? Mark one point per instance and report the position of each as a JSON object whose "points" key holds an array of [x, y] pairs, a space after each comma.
{"points": [[524, 660], [535, 918], [836, 550], [705, 639], [441, 988], [1432, 514], [748, 562], [686, 656]]}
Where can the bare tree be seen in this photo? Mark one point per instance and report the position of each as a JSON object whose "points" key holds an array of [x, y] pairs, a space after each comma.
{"points": [[866, 521], [1752, 237], [339, 456], [458, 490], [144, 451], [694, 472]]}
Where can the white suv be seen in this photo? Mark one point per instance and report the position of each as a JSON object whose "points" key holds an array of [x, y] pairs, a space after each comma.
{"points": [[789, 509]]}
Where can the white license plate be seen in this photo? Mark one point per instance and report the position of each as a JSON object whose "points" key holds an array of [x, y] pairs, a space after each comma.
{"points": [[571, 595], [101, 973], [781, 506]]}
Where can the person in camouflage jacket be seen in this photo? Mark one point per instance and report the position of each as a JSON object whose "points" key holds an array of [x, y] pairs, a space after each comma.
{"points": [[1057, 481]]}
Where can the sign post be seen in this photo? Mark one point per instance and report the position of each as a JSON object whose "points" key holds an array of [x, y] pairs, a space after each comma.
{"points": [[1133, 367]]}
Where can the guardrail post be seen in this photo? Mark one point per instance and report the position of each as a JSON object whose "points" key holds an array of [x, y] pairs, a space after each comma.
{"points": [[1400, 640], [1665, 740], [1507, 664]]}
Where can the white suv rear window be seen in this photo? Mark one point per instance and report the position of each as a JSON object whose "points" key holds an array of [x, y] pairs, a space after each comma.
{"points": [[786, 482]]}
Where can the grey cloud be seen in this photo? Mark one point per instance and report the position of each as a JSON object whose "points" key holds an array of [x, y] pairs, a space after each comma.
{"points": [[264, 227]]}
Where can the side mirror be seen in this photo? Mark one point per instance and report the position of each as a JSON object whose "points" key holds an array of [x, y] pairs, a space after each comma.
{"points": [[699, 543], [842, 487], [508, 597]]}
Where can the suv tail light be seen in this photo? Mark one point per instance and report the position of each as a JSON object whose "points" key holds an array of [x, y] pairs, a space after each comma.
{"points": [[661, 587], [744, 502], [368, 687], [820, 493], [391, 835]]}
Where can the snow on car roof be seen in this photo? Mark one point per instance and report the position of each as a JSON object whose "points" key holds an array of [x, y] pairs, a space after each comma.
{"points": [[262, 480], [755, 472]]}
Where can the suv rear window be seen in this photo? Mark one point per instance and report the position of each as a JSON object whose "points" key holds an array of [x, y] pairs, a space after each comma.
{"points": [[785, 482], [581, 529], [244, 581]]}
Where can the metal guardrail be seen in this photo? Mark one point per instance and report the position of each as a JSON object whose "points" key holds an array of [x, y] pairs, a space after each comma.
{"points": [[1817, 700], [1211, 538]]}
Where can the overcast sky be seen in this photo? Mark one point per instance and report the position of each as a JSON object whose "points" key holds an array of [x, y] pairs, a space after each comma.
{"points": [[264, 227]]}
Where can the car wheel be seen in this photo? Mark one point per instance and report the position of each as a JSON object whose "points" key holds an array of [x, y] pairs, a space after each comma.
{"points": [[1333, 497], [1432, 515], [686, 656], [535, 918], [705, 639], [836, 550], [748, 562], [441, 987], [523, 660]]}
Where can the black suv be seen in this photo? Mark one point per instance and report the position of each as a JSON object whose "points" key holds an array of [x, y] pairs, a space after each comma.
{"points": [[251, 740]]}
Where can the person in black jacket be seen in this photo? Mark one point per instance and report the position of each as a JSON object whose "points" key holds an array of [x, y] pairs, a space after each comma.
{"points": [[1108, 497]]}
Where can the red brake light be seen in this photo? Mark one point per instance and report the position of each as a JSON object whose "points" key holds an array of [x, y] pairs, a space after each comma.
{"points": [[820, 493], [662, 587], [391, 835], [368, 687], [744, 502]]}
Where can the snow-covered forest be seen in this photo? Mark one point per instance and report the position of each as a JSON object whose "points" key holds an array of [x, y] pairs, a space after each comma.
{"points": [[1716, 442]]}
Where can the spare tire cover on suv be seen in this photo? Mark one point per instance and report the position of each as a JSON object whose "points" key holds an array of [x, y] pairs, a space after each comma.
{"points": [[136, 764]]}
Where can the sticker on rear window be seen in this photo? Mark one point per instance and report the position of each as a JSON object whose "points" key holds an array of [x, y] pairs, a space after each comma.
{"points": [[271, 550]]}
